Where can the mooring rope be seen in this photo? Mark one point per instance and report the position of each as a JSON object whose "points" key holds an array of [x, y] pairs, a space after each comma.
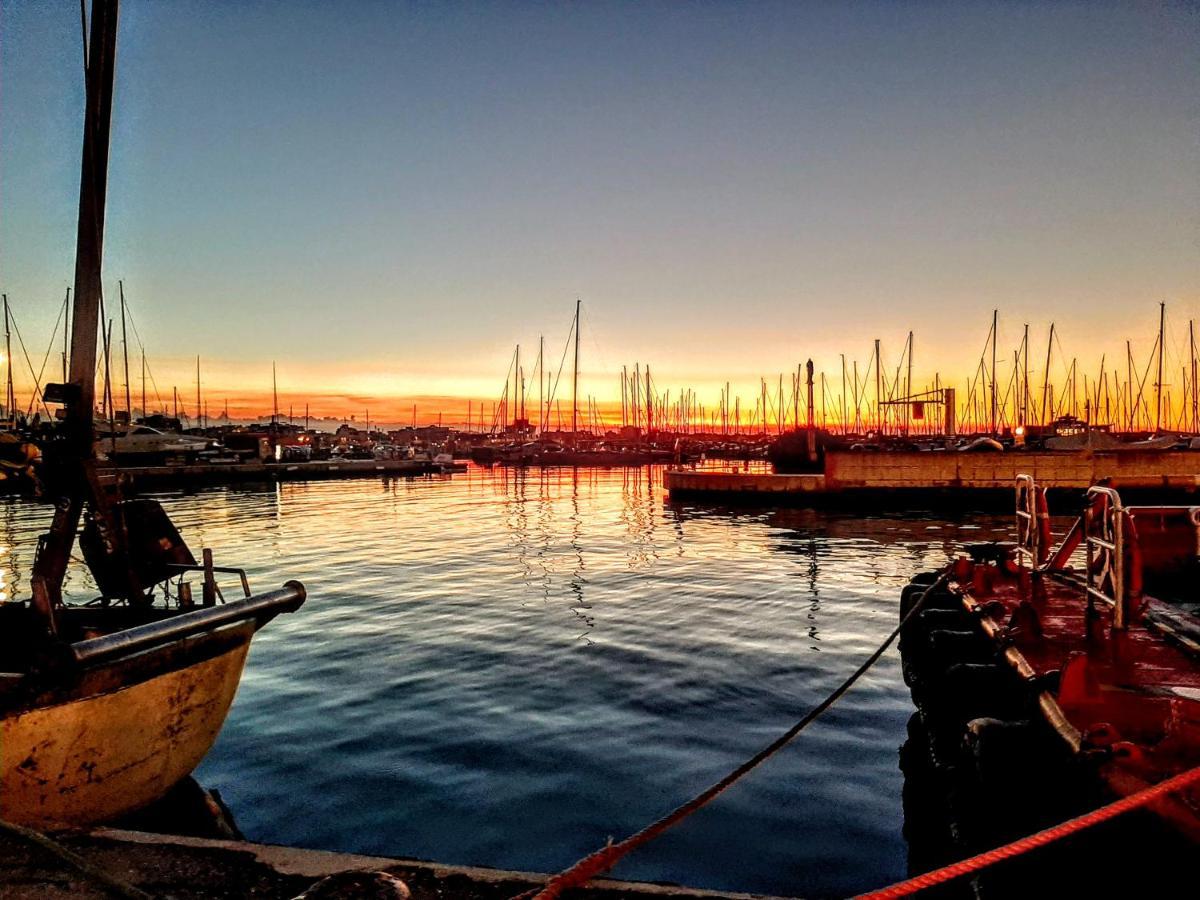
{"points": [[1034, 841], [605, 858], [113, 885]]}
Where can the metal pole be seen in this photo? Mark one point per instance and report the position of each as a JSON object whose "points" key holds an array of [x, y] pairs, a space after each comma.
{"points": [[1046, 378], [9, 399], [995, 322], [1158, 386], [125, 351], [575, 379]]}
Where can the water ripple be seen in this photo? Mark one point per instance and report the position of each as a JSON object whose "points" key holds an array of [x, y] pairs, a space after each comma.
{"points": [[505, 669]]}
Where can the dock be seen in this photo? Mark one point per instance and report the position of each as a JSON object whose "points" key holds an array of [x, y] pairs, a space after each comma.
{"points": [[905, 479], [199, 868], [191, 474]]}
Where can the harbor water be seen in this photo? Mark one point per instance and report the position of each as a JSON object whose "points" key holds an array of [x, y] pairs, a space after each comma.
{"points": [[506, 668]]}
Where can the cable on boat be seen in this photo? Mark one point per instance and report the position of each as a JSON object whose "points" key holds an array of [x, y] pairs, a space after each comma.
{"points": [[605, 858], [1034, 841], [113, 885]]}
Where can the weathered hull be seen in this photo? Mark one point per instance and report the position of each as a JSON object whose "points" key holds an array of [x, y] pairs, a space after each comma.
{"points": [[95, 757]]}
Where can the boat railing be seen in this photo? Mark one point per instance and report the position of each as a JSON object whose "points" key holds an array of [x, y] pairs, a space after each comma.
{"points": [[1104, 540], [143, 637], [1027, 522], [227, 570]]}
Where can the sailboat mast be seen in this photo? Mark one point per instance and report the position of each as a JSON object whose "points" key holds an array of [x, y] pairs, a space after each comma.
{"points": [[878, 391], [66, 334], [199, 423], [1046, 377], [1192, 357], [1025, 377], [1158, 385], [575, 379], [908, 385], [125, 351], [93, 185], [649, 405], [8, 390], [995, 323]]}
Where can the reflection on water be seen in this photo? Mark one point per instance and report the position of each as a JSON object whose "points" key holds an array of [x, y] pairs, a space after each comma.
{"points": [[506, 668]]}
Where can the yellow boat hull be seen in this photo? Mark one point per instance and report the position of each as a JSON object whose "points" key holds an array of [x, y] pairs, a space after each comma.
{"points": [[93, 758]]}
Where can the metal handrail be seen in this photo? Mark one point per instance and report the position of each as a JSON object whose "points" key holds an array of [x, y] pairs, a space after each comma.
{"points": [[289, 598], [1110, 538], [229, 570], [1027, 545]]}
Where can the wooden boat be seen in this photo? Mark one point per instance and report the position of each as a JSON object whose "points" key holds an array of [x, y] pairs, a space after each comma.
{"points": [[1052, 679], [104, 707]]}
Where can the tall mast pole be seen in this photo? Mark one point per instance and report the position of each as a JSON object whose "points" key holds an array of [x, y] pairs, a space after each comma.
{"points": [[908, 384], [995, 322], [796, 399], [199, 412], [1129, 407], [125, 351], [1025, 377], [649, 404], [143, 383], [274, 396], [764, 405], [1158, 385], [624, 392], [1046, 378], [845, 416], [541, 382], [66, 335], [878, 391], [575, 379], [9, 400], [1195, 404]]}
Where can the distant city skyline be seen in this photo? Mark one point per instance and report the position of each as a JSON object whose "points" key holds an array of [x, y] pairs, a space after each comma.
{"points": [[386, 199]]}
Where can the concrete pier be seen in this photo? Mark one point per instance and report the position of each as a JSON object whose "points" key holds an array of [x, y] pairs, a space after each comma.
{"points": [[230, 473], [900, 479], [197, 868]]}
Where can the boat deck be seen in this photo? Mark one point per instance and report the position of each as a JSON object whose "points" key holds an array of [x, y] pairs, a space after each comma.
{"points": [[1135, 691]]}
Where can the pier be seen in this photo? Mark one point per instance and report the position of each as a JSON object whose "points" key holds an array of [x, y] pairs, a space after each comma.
{"points": [[900, 479], [191, 474], [175, 866]]}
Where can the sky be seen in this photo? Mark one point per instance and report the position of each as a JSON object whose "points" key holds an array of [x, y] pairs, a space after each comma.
{"points": [[386, 198]]}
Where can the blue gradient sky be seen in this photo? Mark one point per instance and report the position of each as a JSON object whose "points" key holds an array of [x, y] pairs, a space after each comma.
{"points": [[385, 198]]}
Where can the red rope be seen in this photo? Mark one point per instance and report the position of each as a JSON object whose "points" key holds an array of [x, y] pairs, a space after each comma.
{"points": [[1033, 841]]}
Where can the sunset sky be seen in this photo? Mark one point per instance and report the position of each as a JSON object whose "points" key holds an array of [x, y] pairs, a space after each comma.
{"points": [[385, 198]]}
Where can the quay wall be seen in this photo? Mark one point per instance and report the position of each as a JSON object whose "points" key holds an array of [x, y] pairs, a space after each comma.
{"points": [[1065, 469], [915, 479]]}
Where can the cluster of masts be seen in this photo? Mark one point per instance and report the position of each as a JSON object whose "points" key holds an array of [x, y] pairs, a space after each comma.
{"points": [[1126, 395], [875, 397]]}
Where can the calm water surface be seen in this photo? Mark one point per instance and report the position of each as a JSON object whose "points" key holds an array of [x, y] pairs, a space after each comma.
{"points": [[506, 668]]}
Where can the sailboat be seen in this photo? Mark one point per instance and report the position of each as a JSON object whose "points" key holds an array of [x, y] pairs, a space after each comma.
{"points": [[106, 706]]}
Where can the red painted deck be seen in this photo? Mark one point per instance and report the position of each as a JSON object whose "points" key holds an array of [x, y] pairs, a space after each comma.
{"points": [[1132, 694]]}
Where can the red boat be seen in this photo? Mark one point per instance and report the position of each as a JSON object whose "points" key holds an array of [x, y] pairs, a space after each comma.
{"points": [[1050, 680]]}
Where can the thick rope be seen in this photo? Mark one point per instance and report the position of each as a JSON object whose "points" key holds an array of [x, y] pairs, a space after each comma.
{"points": [[604, 859], [113, 885], [1034, 841]]}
